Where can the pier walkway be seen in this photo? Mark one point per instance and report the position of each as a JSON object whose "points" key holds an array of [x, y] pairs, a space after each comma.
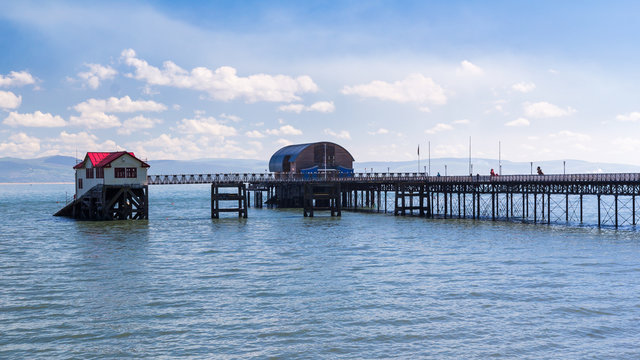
{"points": [[535, 198]]}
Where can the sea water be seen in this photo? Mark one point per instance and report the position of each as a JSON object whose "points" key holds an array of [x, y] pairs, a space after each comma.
{"points": [[279, 285]]}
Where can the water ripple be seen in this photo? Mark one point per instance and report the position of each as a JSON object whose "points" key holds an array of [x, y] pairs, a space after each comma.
{"points": [[279, 285]]}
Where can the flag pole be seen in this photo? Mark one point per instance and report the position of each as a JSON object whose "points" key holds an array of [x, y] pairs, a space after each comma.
{"points": [[429, 158], [418, 158]]}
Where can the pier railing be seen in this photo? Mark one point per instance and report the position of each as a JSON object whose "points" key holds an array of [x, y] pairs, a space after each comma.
{"points": [[386, 177]]}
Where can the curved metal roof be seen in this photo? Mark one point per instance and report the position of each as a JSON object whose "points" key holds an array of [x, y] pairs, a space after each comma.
{"points": [[275, 163]]}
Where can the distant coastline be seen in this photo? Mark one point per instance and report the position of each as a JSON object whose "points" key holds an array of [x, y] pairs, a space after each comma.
{"points": [[59, 169], [39, 183]]}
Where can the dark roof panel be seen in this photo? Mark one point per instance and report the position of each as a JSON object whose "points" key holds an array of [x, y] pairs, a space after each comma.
{"points": [[275, 163]]}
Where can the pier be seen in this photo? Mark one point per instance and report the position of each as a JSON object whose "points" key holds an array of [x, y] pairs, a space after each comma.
{"points": [[319, 178], [531, 198]]}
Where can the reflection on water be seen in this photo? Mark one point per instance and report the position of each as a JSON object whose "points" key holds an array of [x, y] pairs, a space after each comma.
{"points": [[278, 284]]}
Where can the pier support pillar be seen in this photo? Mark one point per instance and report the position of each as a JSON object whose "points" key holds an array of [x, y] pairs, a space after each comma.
{"points": [[241, 197], [322, 196], [599, 210]]}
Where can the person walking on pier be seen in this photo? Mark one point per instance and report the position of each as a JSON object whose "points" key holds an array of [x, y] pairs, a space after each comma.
{"points": [[540, 171]]}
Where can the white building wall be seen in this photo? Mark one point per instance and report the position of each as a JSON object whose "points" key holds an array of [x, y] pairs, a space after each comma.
{"points": [[87, 184], [125, 161]]}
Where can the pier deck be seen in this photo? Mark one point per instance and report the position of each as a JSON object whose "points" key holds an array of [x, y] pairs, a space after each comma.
{"points": [[535, 198]]}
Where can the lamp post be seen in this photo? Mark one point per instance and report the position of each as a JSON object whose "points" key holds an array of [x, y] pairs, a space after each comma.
{"points": [[429, 157], [499, 158]]}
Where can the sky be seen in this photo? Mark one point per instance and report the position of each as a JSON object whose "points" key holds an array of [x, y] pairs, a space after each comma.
{"points": [[539, 80]]}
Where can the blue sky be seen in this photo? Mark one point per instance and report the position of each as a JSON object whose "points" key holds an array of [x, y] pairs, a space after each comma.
{"points": [[172, 80]]}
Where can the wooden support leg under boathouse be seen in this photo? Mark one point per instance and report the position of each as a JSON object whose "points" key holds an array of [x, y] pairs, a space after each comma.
{"points": [[110, 202]]}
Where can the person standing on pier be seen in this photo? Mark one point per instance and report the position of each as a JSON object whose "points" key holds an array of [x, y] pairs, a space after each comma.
{"points": [[540, 171]]}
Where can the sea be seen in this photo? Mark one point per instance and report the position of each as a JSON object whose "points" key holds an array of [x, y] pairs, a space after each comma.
{"points": [[281, 286]]}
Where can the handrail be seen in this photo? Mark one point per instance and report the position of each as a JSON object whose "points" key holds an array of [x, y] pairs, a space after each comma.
{"points": [[223, 178]]}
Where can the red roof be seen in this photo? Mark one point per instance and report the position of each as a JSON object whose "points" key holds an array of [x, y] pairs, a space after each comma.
{"points": [[104, 159]]}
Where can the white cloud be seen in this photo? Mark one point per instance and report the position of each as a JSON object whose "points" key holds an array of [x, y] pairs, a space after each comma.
{"points": [[194, 146], [570, 135], [9, 100], [284, 130], [323, 107], [255, 144], [320, 106], [380, 131], [283, 142], [36, 119], [544, 109], [626, 144], [93, 112], [467, 68], [17, 78], [630, 117], [124, 104], [462, 122], [96, 73], [222, 83], [424, 109], [518, 122], [233, 118], [414, 88], [254, 134], [95, 120], [137, 123], [524, 87], [343, 134], [296, 108], [206, 126], [20, 145], [448, 150], [68, 143], [438, 128]]}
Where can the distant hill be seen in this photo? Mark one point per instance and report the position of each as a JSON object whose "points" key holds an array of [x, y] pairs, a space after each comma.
{"points": [[45, 169], [459, 166], [60, 168]]}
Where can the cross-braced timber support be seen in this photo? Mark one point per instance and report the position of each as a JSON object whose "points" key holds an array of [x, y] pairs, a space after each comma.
{"points": [[322, 196], [239, 197], [110, 202]]}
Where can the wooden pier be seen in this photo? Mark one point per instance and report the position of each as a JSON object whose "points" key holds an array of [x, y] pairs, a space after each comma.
{"points": [[110, 202], [322, 196], [239, 198], [529, 198]]}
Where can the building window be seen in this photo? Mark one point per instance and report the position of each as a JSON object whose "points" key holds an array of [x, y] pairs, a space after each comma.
{"points": [[99, 173], [132, 173], [89, 173], [79, 183], [118, 173]]}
